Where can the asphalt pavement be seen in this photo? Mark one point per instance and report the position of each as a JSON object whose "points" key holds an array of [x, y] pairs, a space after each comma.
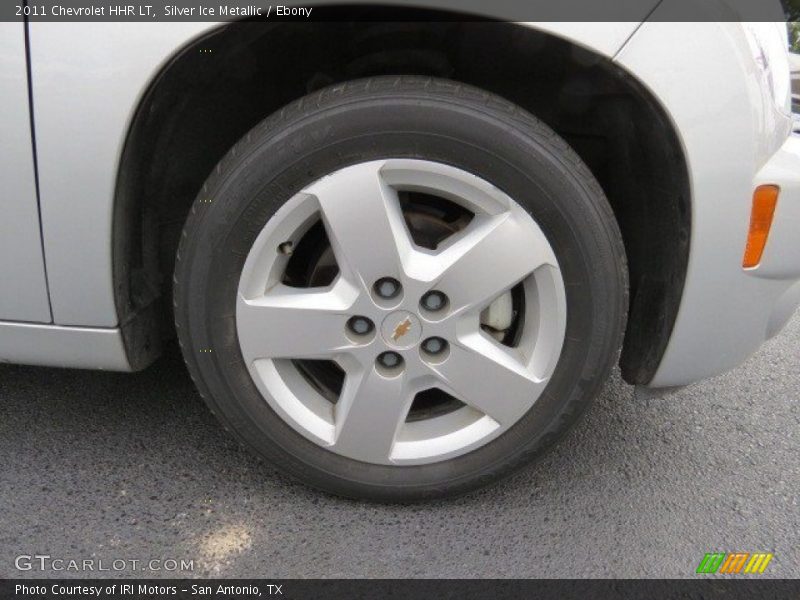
{"points": [[108, 467]]}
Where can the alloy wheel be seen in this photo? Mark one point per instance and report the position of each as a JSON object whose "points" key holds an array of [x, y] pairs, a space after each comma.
{"points": [[401, 312]]}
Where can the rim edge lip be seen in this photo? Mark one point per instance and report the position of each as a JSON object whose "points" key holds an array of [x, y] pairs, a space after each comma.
{"points": [[269, 375]]}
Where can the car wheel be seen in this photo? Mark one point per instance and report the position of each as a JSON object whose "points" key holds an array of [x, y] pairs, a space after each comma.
{"points": [[400, 288]]}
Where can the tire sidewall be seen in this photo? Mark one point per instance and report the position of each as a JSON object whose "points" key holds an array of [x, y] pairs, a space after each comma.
{"points": [[515, 153]]}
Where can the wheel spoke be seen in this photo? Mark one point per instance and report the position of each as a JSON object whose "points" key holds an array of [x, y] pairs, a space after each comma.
{"points": [[487, 377], [364, 223], [490, 258], [294, 323], [369, 414]]}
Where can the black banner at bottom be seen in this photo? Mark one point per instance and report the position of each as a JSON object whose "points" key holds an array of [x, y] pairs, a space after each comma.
{"points": [[384, 589]]}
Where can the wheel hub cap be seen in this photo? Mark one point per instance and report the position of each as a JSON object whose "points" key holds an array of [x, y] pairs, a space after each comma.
{"points": [[401, 329]]}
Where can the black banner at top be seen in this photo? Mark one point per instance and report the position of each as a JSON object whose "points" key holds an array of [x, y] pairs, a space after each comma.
{"points": [[398, 10]]}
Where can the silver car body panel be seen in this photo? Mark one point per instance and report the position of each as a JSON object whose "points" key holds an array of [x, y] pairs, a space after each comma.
{"points": [[23, 292], [703, 74], [84, 101], [731, 130], [59, 346]]}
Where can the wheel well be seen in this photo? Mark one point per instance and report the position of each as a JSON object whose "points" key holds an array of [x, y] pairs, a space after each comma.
{"points": [[202, 102]]}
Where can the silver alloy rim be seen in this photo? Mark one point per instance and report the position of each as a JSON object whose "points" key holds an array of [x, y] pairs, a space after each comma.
{"points": [[501, 247]]}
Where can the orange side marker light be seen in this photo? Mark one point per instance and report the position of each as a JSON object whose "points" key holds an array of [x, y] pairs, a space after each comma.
{"points": [[765, 198]]}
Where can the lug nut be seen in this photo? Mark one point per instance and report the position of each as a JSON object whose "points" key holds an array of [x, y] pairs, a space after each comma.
{"points": [[360, 325], [387, 288], [390, 360], [434, 345], [434, 300]]}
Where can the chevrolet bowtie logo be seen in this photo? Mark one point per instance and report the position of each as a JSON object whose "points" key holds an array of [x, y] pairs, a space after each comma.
{"points": [[402, 328]]}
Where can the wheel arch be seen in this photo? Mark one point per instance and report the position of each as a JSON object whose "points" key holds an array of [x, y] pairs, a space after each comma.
{"points": [[199, 103]]}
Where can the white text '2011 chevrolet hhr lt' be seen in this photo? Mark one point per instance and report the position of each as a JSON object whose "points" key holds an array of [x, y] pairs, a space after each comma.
{"points": [[400, 257]]}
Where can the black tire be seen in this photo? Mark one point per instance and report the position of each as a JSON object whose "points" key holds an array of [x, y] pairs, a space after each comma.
{"points": [[399, 117]]}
